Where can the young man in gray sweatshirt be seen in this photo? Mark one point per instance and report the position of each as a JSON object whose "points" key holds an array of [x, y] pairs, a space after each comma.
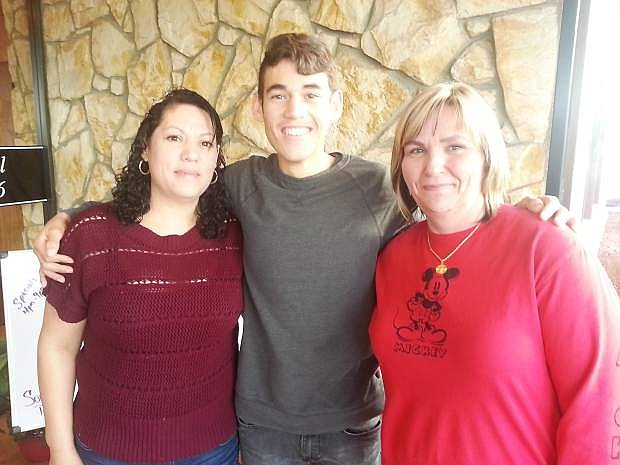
{"points": [[308, 389]]}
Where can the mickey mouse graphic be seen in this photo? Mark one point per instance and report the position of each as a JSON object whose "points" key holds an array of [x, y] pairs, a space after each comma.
{"points": [[424, 308]]}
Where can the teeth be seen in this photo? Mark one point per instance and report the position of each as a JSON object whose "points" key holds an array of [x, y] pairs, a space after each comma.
{"points": [[296, 131]]}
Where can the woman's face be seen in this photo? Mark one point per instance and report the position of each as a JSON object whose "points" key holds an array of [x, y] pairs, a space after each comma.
{"points": [[443, 171], [182, 155]]}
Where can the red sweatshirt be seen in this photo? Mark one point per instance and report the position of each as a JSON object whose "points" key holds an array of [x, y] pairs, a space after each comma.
{"points": [[510, 357], [156, 372]]}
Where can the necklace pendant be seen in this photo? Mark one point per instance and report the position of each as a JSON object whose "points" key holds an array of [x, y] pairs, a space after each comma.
{"points": [[441, 268]]}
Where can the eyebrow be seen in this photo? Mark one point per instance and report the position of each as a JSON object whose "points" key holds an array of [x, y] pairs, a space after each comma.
{"points": [[454, 138], [209, 133], [283, 87]]}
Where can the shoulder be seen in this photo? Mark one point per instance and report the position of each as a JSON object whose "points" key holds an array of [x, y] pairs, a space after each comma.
{"points": [[246, 166], [399, 247], [93, 218], [371, 176]]}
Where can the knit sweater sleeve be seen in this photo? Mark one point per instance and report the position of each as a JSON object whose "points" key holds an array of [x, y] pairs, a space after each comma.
{"points": [[69, 298], [580, 321]]}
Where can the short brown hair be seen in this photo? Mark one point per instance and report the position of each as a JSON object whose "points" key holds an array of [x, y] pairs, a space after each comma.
{"points": [[309, 54], [478, 120]]}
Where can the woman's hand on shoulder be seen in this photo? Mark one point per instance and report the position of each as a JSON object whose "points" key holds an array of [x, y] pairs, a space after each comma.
{"points": [[549, 208], [46, 245]]}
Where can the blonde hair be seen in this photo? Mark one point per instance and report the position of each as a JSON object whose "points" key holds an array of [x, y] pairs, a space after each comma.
{"points": [[480, 124]]}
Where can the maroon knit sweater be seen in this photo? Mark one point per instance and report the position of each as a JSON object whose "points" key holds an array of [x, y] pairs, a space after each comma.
{"points": [[156, 372]]}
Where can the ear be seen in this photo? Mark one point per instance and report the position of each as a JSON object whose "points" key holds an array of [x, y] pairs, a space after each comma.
{"points": [[145, 154], [257, 106], [337, 103]]}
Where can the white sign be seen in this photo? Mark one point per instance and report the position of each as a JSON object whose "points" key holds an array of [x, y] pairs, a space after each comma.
{"points": [[23, 313]]}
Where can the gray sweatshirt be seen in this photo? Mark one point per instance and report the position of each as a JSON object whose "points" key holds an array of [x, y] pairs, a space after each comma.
{"points": [[310, 247]]}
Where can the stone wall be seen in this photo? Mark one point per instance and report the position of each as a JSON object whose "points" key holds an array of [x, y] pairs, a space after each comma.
{"points": [[108, 60]]}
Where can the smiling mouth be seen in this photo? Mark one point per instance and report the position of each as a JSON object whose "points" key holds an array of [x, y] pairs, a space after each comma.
{"points": [[187, 173], [297, 131]]}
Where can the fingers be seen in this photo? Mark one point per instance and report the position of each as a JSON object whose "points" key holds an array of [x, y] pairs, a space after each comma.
{"points": [[551, 208], [55, 267]]}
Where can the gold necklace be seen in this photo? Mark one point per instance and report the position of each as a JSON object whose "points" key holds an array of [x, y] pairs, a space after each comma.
{"points": [[442, 268]]}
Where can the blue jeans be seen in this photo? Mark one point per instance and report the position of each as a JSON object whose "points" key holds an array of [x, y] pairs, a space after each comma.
{"points": [[357, 445], [224, 454]]}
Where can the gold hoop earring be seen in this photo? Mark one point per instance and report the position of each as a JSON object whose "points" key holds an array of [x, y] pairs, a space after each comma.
{"points": [[213, 181], [143, 171]]}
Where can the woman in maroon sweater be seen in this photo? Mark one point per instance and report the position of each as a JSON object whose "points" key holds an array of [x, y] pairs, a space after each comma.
{"points": [[147, 322]]}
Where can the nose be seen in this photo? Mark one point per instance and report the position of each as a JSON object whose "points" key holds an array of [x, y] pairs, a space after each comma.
{"points": [[295, 107], [435, 162], [190, 151]]}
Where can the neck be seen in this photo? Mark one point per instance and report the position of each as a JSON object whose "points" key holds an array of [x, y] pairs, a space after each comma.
{"points": [[166, 220], [448, 224], [308, 167]]}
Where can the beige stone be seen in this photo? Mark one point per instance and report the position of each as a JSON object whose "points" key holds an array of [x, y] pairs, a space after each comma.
{"points": [[76, 122], [289, 16], [247, 125], [104, 113], [476, 65], [32, 233], [72, 164], [194, 35], [120, 155], [491, 96], [250, 15], [241, 78], [100, 184], [21, 22], [418, 37], [118, 86], [527, 164], [477, 26], [468, 8], [118, 8], [206, 10], [23, 123], [206, 73], [86, 11], [57, 22], [341, 15], [75, 69], [331, 38], [237, 149], [130, 126], [145, 22], [24, 60], [381, 154], [509, 134], [8, 19], [352, 40], [179, 61], [51, 74], [13, 67], [227, 35], [32, 213], [532, 190], [526, 53], [101, 82], [149, 78], [112, 50], [257, 51], [128, 22], [59, 109], [372, 98], [177, 79]]}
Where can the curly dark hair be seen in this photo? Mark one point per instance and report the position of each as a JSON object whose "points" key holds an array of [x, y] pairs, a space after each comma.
{"points": [[131, 196]]}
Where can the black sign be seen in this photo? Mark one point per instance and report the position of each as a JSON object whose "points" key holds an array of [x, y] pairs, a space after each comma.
{"points": [[24, 175]]}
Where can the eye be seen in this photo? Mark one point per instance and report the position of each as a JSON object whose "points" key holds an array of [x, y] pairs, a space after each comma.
{"points": [[312, 96], [277, 97], [173, 138], [414, 150], [207, 144], [456, 147]]}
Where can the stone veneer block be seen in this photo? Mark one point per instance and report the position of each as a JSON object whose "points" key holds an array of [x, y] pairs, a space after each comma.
{"points": [[51, 62], [526, 65], [145, 22], [341, 15], [179, 61], [118, 8], [372, 96], [24, 61], [100, 184], [238, 150], [418, 37], [112, 50], [57, 22], [130, 126], [76, 122], [250, 15], [289, 16], [246, 124], [120, 154], [128, 22], [75, 69], [240, 79], [22, 118], [206, 73], [527, 164], [149, 78], [468, 8], [72, 163], [206, 11], [118, 86], [104, 113], [59, 110], [194, 35], [177, 79], [476, 65], [227, 35], [86, 11], [21, 22], [101, 82], [477, 26]]}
